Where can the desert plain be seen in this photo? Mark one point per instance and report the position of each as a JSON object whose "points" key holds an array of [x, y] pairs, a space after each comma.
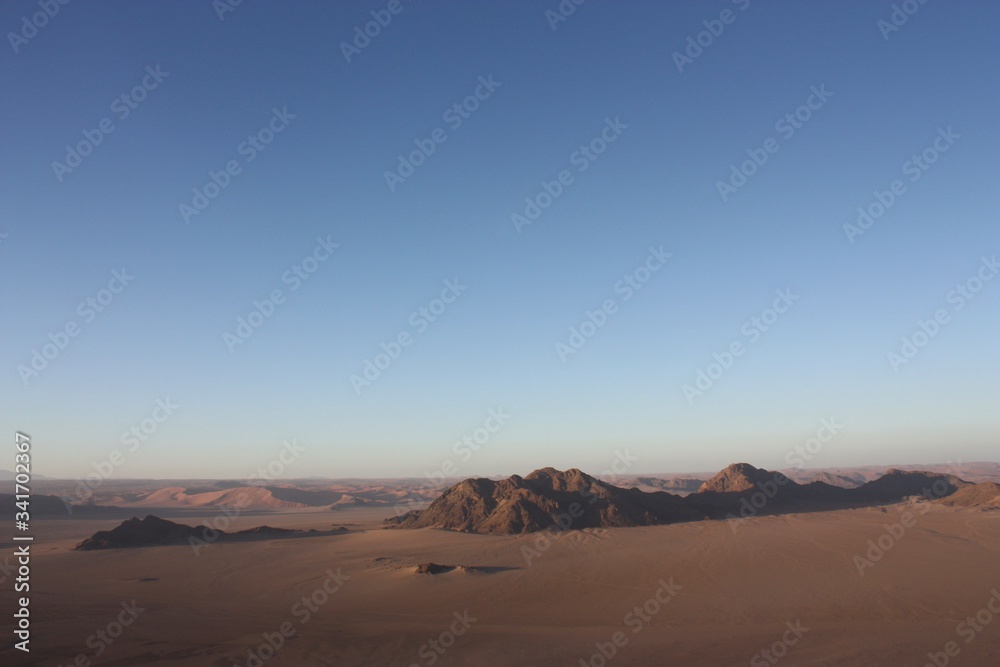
{"points": [[913, 582]]}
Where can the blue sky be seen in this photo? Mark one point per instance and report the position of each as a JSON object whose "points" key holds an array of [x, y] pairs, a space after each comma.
{"points": [[343, 125]]}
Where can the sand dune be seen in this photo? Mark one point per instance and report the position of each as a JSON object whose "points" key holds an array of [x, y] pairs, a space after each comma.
{"points": [[240, 496], [208, 493]]}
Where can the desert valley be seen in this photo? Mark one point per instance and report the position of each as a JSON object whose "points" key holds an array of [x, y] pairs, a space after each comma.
{"points": [[834, 567], [499, 334]]}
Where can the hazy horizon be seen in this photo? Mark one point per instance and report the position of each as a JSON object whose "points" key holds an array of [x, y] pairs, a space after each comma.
{"points": [[631, 469], [603, 473]]}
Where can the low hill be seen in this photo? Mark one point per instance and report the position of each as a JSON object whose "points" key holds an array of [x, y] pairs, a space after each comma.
{"points": [[42, 505], [153, 531], [985, 494], [896, 484], [349, 501]]}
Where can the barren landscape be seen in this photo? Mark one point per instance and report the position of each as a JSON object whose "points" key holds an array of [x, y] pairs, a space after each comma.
{"points": [[549, 333], [880, 583]]}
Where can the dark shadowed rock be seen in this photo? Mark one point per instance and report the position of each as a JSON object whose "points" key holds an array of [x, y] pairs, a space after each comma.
{"points": [[572, 500], [266, 530], [436, 568], [151, 531], [433, 568], [154, 532], [548, 497], [896, 484]]}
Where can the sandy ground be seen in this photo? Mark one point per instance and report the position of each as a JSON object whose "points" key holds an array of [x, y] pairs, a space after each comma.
{"points": [[733, 593]]}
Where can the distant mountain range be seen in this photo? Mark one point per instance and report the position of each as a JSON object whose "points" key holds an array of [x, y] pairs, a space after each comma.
{"points": [[849, 478], [8, 476], [43, 505], [573, 499]]}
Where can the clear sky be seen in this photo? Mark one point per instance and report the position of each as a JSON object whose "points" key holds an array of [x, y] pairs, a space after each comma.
{"points": [[642, 139]]}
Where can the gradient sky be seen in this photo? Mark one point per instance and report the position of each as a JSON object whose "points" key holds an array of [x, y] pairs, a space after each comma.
{"points": [[495, 346]]}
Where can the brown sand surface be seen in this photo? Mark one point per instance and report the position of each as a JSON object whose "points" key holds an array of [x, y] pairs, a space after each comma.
{"points": [[738, 589]]}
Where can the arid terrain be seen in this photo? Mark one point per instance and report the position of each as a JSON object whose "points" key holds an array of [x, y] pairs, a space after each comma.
{"points": [[885, 583], [500, 334]]}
